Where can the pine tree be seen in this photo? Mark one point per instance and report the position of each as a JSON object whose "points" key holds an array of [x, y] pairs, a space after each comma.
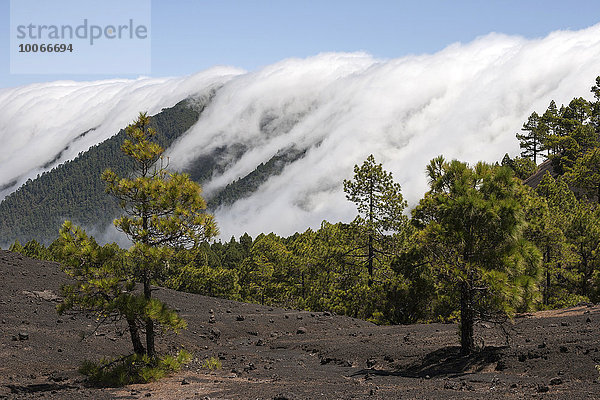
{"points": [[163, 210], [532, 141], [472, 225], [380, 204]]}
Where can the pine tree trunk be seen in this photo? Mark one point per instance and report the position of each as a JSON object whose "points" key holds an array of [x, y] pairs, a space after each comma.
{"points": [[370, 259], [547, 289], [138, 347], [466, 319], [149, 323]]}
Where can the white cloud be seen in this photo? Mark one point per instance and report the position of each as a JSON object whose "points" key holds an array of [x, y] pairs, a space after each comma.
{"points": [[39, 121], [466, 101]]}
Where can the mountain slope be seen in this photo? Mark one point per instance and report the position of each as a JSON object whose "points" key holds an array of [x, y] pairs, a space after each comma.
{"points": [[74, 190]]}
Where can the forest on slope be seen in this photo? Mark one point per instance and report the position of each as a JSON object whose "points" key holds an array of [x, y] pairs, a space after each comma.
{"points": [[74, 191], [518, 248]]}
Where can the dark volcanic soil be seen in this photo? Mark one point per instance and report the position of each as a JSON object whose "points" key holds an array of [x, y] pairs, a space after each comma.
{"points": [[273, 353]]}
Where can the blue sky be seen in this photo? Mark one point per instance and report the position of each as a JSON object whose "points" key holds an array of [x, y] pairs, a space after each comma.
{"points": [[192, 35]]}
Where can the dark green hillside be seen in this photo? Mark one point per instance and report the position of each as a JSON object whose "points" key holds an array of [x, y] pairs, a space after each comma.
{"points": [[74, 190], [248, 184]]}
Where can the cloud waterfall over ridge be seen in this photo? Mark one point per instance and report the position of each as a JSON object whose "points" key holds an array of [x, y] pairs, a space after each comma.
{"points": [[45, 124], [466, 102]]}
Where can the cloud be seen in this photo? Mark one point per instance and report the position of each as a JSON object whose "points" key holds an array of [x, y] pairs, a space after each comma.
{"points": [[466, 101], [41, 121]]}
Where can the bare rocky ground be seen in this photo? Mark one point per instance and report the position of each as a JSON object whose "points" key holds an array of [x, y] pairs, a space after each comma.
{"points": [[274, 353]]}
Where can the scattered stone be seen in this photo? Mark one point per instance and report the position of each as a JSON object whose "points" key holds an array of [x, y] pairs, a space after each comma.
{"points": [[588, 320], [371, 362], [564, 323], [240, 318], [148, 395], [301, 330], [228, 311], [541, 345], [284, 396], [253, 333], [260, 342], [23, 336], [450, 385], [556, 381], [327, 314], [185, 382], [298, 316], [211, 319], [543, 389], [271, 321], [553, 325], [286, 316], [215, 333]]}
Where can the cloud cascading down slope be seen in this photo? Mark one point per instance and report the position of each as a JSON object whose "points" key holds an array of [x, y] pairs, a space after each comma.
{"points": [[466, 101], [41, 125]]}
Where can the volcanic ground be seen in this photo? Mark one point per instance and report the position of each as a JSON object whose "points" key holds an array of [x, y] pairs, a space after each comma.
{"points": [[275, 353]]}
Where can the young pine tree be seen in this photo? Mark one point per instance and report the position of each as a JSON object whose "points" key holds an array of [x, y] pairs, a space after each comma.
{"points": [[472, 224]]}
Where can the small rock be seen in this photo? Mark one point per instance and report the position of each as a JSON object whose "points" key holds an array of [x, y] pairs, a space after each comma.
{"points": [[588, 320], [260, 342], [228, 311], [148, 395], [211, 320], [284, 396], [240, 318], [564, 323], [298, 316], [543, 389], [327, 314], [253, 333], [371, 363], [23, 336], [301, 330], [211, 311], [184, 382], [271, 321], [553, 325], [215, 333], [541, 345], [556, 381], [286, 316]]}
